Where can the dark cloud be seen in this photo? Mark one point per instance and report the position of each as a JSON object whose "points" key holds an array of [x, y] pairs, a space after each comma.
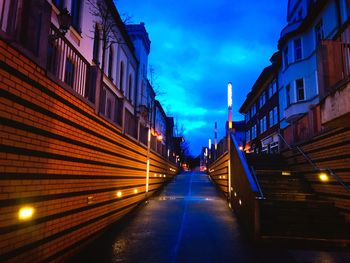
{"points": [[198, 46]]}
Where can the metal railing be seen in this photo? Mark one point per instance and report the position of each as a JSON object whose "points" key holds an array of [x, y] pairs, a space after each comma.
{"points": [[315, 166], [257, 182], [66, 63]]}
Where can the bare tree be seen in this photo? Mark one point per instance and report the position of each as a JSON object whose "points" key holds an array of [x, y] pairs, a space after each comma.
{"points": [[127, 18], [154, 81], [109, 34]]}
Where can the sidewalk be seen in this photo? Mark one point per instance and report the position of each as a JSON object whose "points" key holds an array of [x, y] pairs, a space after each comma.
{"points": [[190, 222]]}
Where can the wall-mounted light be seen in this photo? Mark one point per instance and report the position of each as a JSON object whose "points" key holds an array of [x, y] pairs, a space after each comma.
{"points": [[25, 213], [136, 191], [64, 21], [240, 202], [323, 177], [119, 194]]}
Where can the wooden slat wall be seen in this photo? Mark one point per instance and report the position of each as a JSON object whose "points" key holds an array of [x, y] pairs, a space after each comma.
{"points": [[66, 162], [218, 172], [329, 150]]}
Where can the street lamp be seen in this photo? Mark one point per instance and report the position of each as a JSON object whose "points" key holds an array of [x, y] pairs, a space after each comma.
{"points": [[64, 21]]}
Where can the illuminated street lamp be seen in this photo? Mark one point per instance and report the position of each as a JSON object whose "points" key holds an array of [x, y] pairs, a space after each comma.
{"points": [[64, 21], [229, 104]]}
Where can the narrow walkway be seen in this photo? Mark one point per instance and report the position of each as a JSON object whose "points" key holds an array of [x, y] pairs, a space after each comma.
{"points": [[189, 222]]}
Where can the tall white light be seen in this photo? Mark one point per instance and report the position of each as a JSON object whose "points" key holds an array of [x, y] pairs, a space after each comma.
{"points": [[229, 104]]}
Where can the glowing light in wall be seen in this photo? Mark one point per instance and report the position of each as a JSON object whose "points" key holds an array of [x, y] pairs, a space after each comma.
{"points": [[323, 177], [240, 202], [119, 194], [136, 191], [160, 137], [25, 213]]}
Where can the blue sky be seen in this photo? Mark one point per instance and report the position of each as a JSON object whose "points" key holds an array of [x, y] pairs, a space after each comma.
{"points": [[198, 47]]}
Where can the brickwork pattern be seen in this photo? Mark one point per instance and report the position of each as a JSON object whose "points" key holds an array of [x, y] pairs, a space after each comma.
{"points": [[66, 162]]}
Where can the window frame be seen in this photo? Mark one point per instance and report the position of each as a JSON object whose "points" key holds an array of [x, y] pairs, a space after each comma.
{"points": [[298, 49], [299, 88]]}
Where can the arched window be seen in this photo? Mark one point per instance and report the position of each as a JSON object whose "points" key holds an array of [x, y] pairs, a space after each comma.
{"points": [[110, 62], [130, 88], [96, 50], [121, 75]]}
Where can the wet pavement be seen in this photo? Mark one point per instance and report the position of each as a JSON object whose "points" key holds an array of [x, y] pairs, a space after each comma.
{"points": [[189, 221]]}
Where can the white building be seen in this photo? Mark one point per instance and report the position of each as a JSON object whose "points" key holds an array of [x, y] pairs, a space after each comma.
{"points": [[96, 40], [309, 22]]}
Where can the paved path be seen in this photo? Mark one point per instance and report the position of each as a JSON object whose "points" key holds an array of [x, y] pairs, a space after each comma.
{"points": [[190, 222]]}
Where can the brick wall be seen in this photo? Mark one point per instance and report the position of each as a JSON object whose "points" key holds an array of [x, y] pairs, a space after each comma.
{"points": [[63, 160]]}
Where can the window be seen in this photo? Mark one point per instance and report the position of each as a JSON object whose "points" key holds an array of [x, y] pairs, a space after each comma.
{"points": [[58, 3], [297, 49], [75, 14], [69, 72], [111, 106], [262, 100], [285, 57], [247, 116], [96, 50], [254, 132], [248, 136], [121, 77], [110, 62], [319, 35], [272, 89], [253, 110], [130, 88], [273, 117], [263, 124], [300, 89], [288, 95]]}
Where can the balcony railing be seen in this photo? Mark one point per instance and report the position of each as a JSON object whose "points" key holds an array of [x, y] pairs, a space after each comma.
{"points": [[66, 63]]}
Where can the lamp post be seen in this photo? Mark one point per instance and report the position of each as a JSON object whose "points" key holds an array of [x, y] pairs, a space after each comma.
{"points": [[64, 21]]}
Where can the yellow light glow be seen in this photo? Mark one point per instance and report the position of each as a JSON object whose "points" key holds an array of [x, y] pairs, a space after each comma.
{"points": [[230, 124], [323, 177], [241, 148], [240, 202], [25, 213], [286, 173], [149, 135], [136, 191], [155, 175], [160, 137], [235, 194], [224, 177], [164, 175], [119, 194]]}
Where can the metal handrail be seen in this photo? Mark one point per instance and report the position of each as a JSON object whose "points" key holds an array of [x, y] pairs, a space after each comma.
{"points": [[330, 171], [257, 182]]}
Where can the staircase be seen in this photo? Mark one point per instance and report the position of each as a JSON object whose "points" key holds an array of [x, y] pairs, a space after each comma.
{"points": [[290, 211]]}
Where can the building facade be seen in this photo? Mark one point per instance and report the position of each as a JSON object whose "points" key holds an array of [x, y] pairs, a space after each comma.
{"points": [[72, 158], [261, 109], [309, 22]]}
